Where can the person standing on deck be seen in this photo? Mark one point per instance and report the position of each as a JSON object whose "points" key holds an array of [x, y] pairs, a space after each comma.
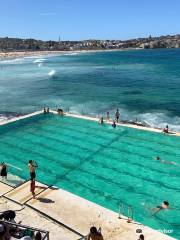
{"points": [[32, 165], [32, 187], [108, 116], [117, 115], [3, 170]]}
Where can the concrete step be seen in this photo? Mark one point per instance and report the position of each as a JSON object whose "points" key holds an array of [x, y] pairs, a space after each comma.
{"points": [[22, 193]]}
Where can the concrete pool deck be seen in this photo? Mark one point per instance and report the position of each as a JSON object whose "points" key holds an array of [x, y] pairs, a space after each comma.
{"points": [[80, 214], [151, 129]]}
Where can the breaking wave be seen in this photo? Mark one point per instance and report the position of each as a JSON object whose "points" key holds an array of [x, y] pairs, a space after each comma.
{"points": [[39, 60], [52, 72]]}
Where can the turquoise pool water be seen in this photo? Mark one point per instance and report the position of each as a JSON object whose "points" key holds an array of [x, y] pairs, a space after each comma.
{"points": [[101, 164]]}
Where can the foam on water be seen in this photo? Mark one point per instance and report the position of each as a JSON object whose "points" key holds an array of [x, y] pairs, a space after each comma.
{"points": [[39, 60], [12, 61], [52, 72], [160, 120]]}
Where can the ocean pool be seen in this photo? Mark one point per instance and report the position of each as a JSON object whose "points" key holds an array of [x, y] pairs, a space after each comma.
{"points": [[104, 165]]}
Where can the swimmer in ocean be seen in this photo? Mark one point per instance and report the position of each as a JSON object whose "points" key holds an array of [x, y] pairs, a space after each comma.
{"points": [[165, 162]]}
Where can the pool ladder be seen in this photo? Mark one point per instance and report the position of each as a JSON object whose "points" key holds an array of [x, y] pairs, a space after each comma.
{"points": [[130, 214]]}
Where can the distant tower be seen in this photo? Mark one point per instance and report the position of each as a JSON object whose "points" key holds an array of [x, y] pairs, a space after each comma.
{"points": [[59, 40]]}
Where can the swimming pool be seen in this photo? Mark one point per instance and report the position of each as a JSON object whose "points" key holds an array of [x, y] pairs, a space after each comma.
{"points": [[101, 164]]}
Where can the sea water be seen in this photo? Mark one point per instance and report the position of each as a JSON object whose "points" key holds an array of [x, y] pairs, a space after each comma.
{"points": [[143, 84]]}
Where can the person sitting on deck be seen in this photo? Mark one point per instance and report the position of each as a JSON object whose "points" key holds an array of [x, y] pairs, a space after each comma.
{"points": [[164, 205], [60, 111], [166, 129], [94, 234], [114, 124], [8, 215]]}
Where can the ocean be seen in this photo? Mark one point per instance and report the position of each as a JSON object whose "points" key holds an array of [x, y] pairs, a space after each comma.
{"points": [[142, 84]]}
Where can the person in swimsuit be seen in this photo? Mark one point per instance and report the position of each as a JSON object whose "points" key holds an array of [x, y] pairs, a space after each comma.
{"points": [[117, 115], [32, 187], [108, 116], [101, 120], [3, 171], [114, 125], [32, 165], [163, 206], [165, 162], [166, 129], [94, 234]]}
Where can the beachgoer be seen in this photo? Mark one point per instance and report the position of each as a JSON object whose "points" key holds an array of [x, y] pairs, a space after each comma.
{"points": [[101, 120], [38, 236], [114, 124], [32, 165], [47, 110], [32, 187], [94, 234], [3, 171], [44, 110], [163, 206], [108, 116], [117, 115], [141, 237], [166, 129]]}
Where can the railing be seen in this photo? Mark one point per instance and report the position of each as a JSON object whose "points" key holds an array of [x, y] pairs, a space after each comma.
{"points": [[121, 212], [20, 230]]}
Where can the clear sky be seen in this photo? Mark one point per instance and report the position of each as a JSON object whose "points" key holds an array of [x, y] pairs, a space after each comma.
{"points": [[88, 19]]}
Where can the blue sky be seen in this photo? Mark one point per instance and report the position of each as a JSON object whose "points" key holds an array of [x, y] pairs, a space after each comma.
{"points": [[95, 19]]}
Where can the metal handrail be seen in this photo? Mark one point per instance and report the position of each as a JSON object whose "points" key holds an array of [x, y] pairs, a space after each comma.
{"points": [[121, 210], [130, 214], [45, 233]]}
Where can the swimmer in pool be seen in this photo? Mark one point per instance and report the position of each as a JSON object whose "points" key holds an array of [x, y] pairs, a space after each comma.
{"points": [[114, 125], [165, 162], [163, 206]]}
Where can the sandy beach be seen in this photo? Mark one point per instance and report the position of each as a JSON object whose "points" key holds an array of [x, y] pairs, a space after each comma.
{"points": [[22, 54], [12, 55]]}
